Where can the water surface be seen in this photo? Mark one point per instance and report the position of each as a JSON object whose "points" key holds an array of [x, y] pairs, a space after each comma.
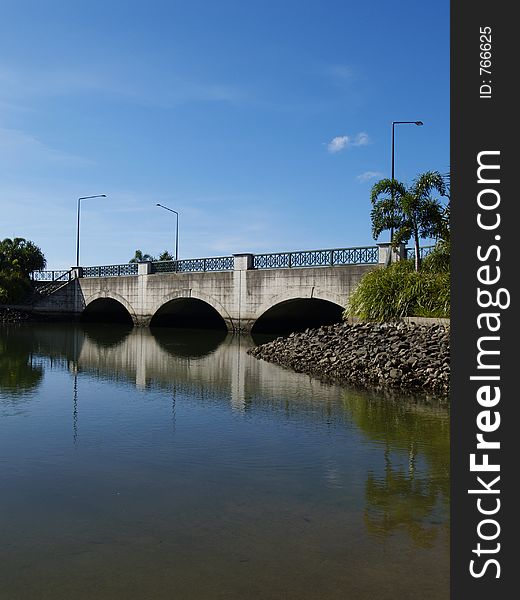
{"points": [[160, 464]]}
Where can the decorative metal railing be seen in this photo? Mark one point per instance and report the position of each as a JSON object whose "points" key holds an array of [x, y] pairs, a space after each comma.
{"points": [[48, 282], [194, 265], [111, 270], [60, 275], [366, 255], [317, 258], [423, 251]]}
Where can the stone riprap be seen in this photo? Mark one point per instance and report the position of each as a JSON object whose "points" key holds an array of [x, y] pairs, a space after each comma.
{"points": [[387, 355]]}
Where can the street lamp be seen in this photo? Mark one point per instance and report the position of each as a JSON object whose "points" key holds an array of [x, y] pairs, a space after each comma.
{"points": [[394, 123], [176, 229], [77, 233]]}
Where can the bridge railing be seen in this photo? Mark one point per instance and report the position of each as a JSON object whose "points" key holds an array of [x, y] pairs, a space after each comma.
{"points": [[317, 258], [111, 270], [194, 265], [56, 275], [423, 252], [364, 255]]}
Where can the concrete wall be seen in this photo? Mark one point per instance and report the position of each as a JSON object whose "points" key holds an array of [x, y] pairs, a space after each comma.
{"points": [[240, 297]]}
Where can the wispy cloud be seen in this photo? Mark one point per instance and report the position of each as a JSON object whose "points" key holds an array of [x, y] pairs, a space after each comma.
{"points": [[340, 142], [361, 139], [339, 73], [25, 83], [17, 146], [369, 175]]}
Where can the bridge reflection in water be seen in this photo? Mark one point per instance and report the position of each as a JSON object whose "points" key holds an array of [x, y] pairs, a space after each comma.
{"points": [[266, 480], [160, 356]]}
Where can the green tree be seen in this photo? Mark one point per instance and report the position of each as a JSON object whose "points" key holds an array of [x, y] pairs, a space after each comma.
{"points": [[445, 228], [21, 256], [18, 259], [412, 212], [165, 256], [140, 257], [439, 259], [386, 197]]}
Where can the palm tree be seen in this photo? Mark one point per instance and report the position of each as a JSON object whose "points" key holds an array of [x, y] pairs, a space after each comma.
{"points": [[140, 257], [165, 256], [386, 198], [445, 230], [413, 212]]}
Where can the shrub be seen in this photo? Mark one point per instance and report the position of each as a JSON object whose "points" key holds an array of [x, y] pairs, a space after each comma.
{"points": [[388, 294], [438, 261]]}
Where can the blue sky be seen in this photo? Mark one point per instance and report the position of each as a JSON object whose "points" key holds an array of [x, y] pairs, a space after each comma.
{"points": [[264, 124]]}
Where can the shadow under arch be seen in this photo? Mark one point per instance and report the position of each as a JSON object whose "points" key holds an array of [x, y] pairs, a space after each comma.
{"points": [[106, 337], [188, 313], [188, 343], [106, 310], [297, 314]]}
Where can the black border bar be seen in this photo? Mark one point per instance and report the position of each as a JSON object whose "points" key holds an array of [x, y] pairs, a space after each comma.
{"points": [[484, 396]]}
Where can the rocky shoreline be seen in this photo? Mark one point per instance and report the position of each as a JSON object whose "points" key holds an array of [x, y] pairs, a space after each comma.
{"points": [[386, 356]]}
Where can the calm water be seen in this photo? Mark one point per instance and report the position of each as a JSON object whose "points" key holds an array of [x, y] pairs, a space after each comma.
{"points": [[138, 464]]}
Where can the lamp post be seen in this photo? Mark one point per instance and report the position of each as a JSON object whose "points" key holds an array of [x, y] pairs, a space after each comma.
{"points": [[176, 229], [394, 123], [77, 233]]}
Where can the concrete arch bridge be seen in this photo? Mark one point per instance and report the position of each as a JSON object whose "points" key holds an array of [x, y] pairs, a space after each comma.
{"points": [[243, 292]]}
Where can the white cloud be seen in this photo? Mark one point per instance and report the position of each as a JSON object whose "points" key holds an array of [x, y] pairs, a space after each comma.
{"points": [[368, 175], [340, 142], [361, 139]]}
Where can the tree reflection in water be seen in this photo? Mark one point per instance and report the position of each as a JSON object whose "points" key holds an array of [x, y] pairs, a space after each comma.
{"points": [[18, 373], [412, 494]]}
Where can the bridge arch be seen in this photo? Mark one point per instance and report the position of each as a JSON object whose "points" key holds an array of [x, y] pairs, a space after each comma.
{"points": [[188, 309], [111, 307], [289, 312]]}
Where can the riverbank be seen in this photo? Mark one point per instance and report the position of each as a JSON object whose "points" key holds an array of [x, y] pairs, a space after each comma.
{"points": [[392, 356], [12, 315]]}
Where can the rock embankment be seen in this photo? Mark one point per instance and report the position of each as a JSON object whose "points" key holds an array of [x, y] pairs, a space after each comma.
{"points": [[387, 355]]}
